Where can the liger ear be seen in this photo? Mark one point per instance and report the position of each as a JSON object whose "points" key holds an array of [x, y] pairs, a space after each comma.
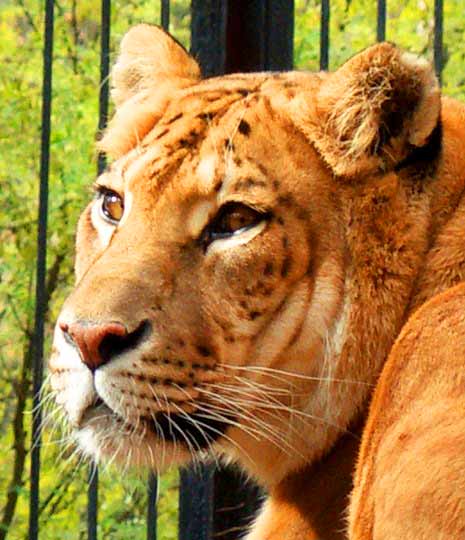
{"points": [[371, 112], [149, 55], [151, 66]]}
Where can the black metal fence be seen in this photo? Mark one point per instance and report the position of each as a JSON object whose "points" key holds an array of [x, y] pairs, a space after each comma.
{"points": [[226, 36]]}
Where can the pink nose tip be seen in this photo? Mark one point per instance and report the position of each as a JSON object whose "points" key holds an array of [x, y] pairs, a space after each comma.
{"points": [[90, 338]]}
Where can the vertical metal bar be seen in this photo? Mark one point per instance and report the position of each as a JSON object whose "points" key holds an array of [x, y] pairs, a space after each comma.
{"points": [[92, 491], [324, 35], [152, 507], [246, 31], [196, 503], [208, 35], [236, 504], [231, 36], [381, 21], [92, 501], [259, 35], [104, 73], [279, 45], [152, 485], [41, 294], [165, 14], [438, 37]]}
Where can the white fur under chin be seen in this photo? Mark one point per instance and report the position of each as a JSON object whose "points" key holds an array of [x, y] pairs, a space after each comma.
{"points": [[104, 439]]}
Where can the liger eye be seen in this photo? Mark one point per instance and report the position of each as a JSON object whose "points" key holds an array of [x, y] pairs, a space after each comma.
{"points": [[232, 218], [112, 205]]}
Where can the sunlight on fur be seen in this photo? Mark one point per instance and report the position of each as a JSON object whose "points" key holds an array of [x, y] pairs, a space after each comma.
{"points": [[250, 256]]}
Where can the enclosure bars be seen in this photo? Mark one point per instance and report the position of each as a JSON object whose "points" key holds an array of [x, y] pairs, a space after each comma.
{"points": [[41, 287], [381, 18]]}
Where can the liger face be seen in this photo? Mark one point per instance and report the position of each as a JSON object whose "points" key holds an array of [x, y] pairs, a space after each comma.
{"points": [[203, 278]]}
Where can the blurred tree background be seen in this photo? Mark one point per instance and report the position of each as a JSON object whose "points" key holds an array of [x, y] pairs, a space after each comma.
{"points": [[73, 167]]}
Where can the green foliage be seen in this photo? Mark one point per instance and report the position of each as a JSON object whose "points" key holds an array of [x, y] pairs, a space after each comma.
{"points": [[122, 505], [122, 509], [410, 24]]}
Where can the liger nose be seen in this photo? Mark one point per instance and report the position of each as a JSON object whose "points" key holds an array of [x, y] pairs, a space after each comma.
{"points": [[97, 343]]}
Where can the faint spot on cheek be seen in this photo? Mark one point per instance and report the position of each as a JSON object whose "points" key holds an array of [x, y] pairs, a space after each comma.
{"points": [[206, 172], [104, 230], [199, 217]]}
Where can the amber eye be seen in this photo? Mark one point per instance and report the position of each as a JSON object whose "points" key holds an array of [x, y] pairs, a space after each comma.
{"points": [[232, 218], [112, 205], [235, 219]]}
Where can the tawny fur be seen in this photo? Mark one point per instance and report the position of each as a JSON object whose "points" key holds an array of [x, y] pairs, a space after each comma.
{"points": [[285, 327], [410, 480]]}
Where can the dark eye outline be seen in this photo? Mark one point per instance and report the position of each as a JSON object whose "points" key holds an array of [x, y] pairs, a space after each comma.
{"points": [[101, 194], [214, 230]]}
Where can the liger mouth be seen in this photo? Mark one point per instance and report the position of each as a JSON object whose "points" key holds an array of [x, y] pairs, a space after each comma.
{"points": [[193, 430]]}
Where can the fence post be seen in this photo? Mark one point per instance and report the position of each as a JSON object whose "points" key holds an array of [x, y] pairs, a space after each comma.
{"points": [[381, 21], [231, 36], [208, 35], [196, 503], [259, 35], [41, 292], [237, 501], [324, 34], [438, 37]]}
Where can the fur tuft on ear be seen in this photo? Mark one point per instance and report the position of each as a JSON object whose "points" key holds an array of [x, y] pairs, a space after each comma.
{"points": [[371, 112], [150, 67]]}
